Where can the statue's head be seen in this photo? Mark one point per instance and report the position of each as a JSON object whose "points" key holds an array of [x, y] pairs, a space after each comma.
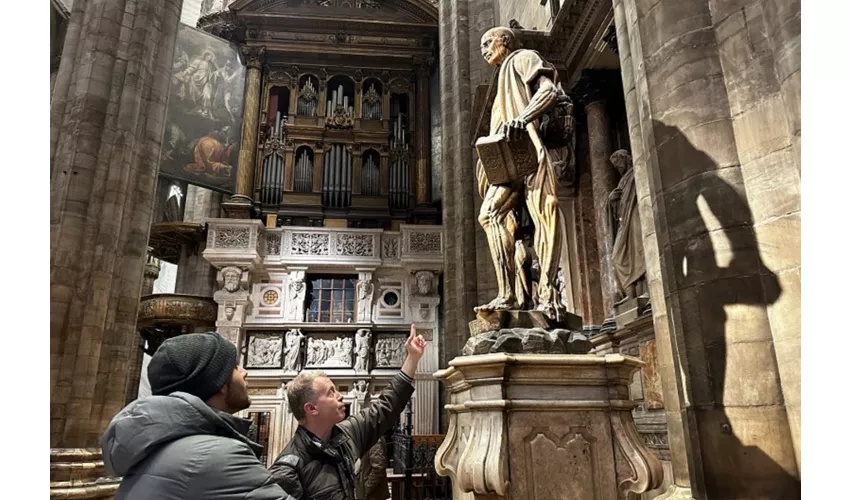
{"points": [[496, 44], [622, 161], [231, 277], [423, 282]]}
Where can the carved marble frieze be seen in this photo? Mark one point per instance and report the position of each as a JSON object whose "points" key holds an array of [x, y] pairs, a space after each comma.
{"points": [[389, 351], [325, 351], [177, 309], [264, 351]]}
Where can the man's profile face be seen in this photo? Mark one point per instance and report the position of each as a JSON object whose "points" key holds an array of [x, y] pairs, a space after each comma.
{"points": [[493, 49], [237, 398], [326, 407]]}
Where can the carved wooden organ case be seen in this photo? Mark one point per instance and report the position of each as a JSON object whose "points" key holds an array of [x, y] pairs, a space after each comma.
{"points": [[344, 126]]}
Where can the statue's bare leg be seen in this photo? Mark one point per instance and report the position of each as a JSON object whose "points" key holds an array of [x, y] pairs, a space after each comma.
{"points": [[542, 203], [499, 223]]}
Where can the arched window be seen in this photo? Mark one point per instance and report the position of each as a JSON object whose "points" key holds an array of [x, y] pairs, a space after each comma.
{"points": [[372, 94], [340, 95], [303, 170], [370, 173]]}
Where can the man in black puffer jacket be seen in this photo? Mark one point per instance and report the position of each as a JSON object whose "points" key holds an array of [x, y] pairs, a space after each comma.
{"points": [[319, 462]]}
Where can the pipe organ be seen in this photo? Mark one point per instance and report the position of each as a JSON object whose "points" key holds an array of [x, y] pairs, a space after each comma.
{"points": [[339, 135], [336, 177]]}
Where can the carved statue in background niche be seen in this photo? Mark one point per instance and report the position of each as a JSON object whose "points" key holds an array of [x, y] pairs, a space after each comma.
{"points": [[297, 297], [292, 357], [365, 291], [628, 253]]}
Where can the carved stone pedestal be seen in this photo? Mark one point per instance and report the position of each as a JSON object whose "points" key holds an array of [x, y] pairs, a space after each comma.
{"points": [[543, 426], [629, 310], [79, 473]]}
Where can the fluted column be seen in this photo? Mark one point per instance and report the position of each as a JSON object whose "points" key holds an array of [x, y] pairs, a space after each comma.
{"points": [[107, 122], [423, 143], [239, 205]]}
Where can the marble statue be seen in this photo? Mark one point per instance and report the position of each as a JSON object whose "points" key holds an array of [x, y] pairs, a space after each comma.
{"points": [[292, 358], [528, 94], [365, 289], [628, 255], [297, 296], [362, 346]]}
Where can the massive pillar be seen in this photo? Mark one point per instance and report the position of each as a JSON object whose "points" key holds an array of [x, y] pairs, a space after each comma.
{"points": [[723, 299], [239, 205], [423, 129], [460, 276], [107, 120]]}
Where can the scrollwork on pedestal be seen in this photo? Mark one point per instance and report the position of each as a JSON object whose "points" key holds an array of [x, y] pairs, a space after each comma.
{"points": [[647, 473], [480, 464], [355, 245], [232, 237]]}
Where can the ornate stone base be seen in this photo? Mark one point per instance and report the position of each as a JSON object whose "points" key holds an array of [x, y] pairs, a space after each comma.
{"points": [[630, 310], [528, 341], [498, 320], [79, 473], [676, 492], [557, 426]]}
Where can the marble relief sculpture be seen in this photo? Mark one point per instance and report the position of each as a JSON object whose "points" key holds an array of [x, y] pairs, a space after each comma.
{"points": [[329, 353], [365, 291], [628, 254], [292, 358], [297, 297], [264, 351], [389, 352], [362, 343], [529, 120]]}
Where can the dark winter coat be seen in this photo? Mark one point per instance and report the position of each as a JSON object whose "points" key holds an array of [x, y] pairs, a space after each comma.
{"points": [[177, 447], [309, 469]]}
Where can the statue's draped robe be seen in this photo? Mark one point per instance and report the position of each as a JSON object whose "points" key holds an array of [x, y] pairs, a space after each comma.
{"points": [[517, 74], [628, 257]]}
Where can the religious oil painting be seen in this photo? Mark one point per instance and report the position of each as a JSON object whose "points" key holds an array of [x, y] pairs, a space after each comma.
{"points": [[204, 118]]}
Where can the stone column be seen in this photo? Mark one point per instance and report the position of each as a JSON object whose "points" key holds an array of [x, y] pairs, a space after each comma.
{"points": [[105, 137], [712, 292], [423, 143], [196, 276], [459, 216], [591, 91], [239, 205], [152, 266]]}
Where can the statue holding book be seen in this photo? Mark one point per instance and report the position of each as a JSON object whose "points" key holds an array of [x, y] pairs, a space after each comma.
{"points": [[530, 128]]}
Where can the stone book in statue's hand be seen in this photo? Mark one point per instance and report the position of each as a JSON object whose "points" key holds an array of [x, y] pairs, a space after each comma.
{"points": [[504, 161]]}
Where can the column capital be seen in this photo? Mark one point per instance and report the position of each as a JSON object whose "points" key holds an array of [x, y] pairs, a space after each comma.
{"points": [[254, 55]]}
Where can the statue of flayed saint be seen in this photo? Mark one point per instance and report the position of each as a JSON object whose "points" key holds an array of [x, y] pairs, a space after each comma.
{"points": [[518, 170], [628, 254]]}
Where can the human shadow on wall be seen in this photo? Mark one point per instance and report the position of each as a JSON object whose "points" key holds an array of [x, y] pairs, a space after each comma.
{"points": [[708, 281]]}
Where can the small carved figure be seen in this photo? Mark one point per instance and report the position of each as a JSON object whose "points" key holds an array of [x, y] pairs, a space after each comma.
{"points": [[297, 296], [363, 340], [292, 359], [365, 290]]}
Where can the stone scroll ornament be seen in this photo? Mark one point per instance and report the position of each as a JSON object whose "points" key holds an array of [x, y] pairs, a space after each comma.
{"points": [[517, 173]]}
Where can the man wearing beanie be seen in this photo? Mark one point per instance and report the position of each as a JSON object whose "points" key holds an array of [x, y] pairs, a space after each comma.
{"points": [[183, 442]]}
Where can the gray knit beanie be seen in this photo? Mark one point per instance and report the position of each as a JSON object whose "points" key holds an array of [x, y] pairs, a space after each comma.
{"points": [[197, 363]]}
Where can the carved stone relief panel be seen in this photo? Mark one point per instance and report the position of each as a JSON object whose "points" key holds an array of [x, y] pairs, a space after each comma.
{"points": [[355, 245], [310, 244], [390, 247], [232, 237], [330, 351], [389, 351], [264, 350], [273, 242]]}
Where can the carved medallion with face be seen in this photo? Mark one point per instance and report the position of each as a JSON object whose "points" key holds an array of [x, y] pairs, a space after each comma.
{"points": [[231, 277]]}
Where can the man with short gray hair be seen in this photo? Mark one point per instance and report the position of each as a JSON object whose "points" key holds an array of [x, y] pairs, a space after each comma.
{"points": [[319, 462]]}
